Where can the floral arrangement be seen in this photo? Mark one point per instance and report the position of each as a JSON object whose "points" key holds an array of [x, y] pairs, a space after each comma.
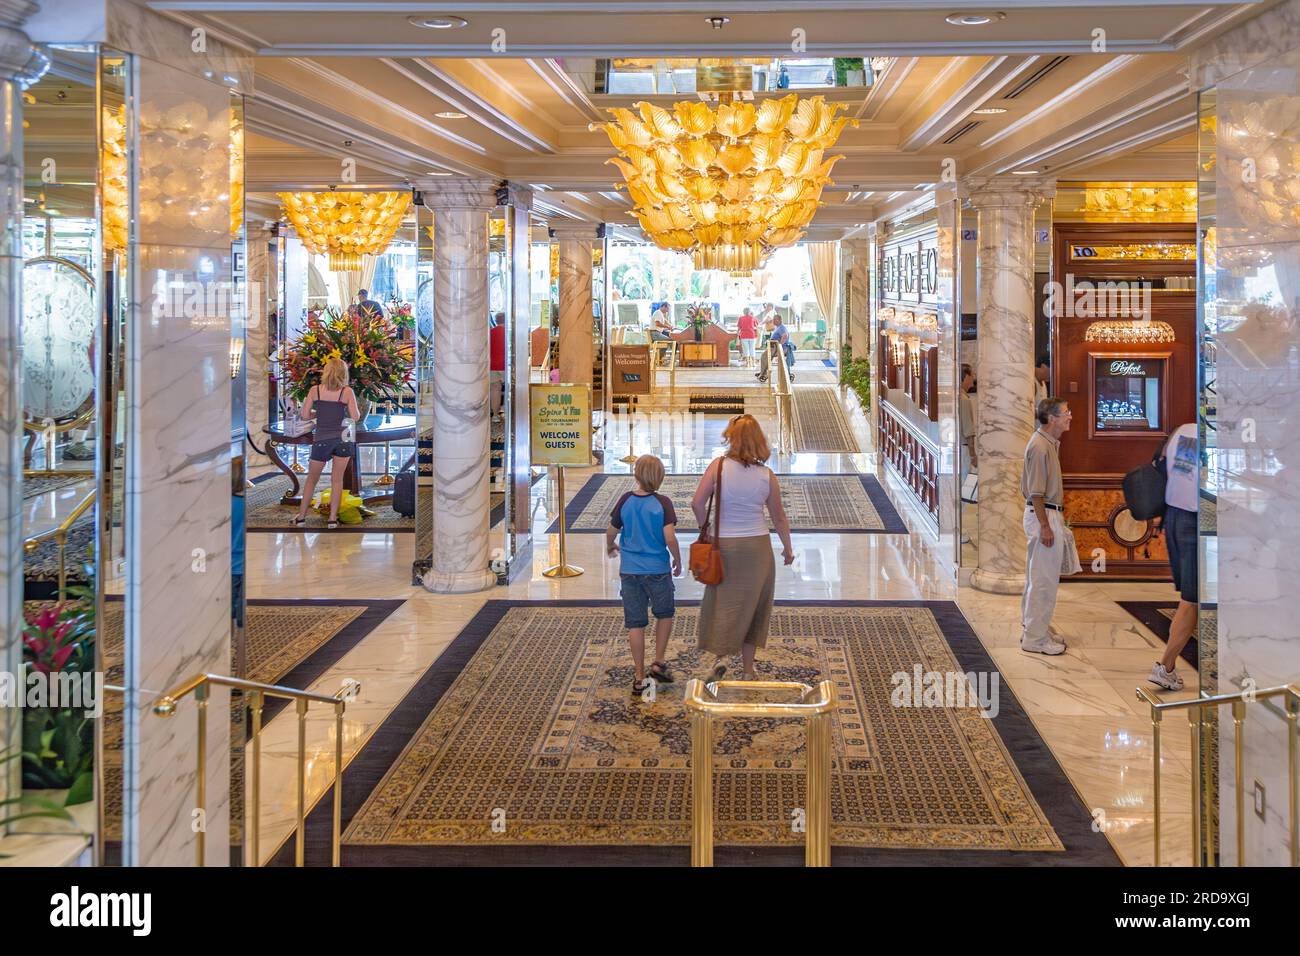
{"points": [[378, 361], [58, 744], [402, 315], [699, 315]]}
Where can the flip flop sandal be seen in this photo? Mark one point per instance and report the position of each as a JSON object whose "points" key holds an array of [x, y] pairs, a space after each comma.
{"points": [[640, 686], [661, 673]]}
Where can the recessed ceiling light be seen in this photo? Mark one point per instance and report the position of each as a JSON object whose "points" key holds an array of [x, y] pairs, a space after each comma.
{"points": [[1024, 172], [988, 111], [437, 172], [438, 23], [717, 22], [973, 19], [449, 114]]}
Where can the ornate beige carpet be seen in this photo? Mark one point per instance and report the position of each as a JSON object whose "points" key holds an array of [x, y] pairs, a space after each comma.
{"points": [[820, 423], [848, 504], [538, 734], [265, 513]]}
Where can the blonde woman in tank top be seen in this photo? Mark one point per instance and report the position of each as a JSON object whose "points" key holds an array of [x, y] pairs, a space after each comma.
{"points": [[329, 403], [735, 615]]}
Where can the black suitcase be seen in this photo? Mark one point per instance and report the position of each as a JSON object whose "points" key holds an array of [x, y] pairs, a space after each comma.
{"points": [[404, 491], [1144, 490]]}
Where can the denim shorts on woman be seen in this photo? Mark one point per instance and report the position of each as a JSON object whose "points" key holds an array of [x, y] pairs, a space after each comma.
{"points": [[332, 448], [640, 590]]}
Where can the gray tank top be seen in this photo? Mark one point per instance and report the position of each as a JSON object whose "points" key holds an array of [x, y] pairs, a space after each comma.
{"points": [[329, 418]]}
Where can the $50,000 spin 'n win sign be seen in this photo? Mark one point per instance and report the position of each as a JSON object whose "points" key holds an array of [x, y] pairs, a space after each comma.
{"points": [[561, 424]]}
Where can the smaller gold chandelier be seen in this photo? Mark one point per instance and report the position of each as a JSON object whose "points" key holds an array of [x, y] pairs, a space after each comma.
{"points": [[1113, 332], [346, 225]]}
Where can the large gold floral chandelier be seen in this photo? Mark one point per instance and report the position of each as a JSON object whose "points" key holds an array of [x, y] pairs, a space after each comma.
{"points": [[346, 225], [731, 185]]}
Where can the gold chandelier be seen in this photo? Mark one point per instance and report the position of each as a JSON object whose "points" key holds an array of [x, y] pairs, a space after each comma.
{"points": [[731, 185], [1146, 332], [345, 225]]}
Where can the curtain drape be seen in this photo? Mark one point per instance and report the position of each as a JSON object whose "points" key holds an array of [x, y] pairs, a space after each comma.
{"points": [[824, 265], [350, 283]]}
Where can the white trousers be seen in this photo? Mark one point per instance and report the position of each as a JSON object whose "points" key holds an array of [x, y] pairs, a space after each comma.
{"points": [[1042, 575]]}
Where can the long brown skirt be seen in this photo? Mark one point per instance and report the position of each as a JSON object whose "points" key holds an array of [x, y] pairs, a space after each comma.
{"points": [[739, 610]]}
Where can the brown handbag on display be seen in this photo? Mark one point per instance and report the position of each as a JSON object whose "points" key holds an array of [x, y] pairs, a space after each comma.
{"points": [[706, 556]]}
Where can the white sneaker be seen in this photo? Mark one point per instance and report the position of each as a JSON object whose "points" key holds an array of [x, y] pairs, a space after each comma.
{"points": [[1169, 680], [1045, 646]]}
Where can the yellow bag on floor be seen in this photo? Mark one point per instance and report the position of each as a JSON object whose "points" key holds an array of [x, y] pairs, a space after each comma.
{"points": [[351, 508]]}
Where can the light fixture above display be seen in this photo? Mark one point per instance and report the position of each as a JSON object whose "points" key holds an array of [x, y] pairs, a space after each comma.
{"points": [[728, 185], [1111, 332], [438, 23], [345, 225]]}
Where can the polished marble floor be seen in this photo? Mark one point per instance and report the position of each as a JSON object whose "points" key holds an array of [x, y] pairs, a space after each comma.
{"points": [[1082, 703]]}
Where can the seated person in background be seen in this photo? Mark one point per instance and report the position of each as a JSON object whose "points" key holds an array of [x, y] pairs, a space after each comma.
{"points": [[781, 336], [661, 323]]}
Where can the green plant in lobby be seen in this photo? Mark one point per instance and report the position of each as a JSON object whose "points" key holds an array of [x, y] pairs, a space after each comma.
{"points": [[13, 809], [58, 742], [856, 374]]}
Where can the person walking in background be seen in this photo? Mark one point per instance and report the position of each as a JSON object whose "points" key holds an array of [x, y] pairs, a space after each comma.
{"points": [[735, 615], [1044, 524], [1179, 524], [747, 326], [646, 525], [330, 402], [1042, 372], [368, 306]]}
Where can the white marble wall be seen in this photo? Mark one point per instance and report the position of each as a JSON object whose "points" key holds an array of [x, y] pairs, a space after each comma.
{"points": [[859, 251], [15, 52], [1005, 372], [461, 428], [178, 491], [577, 343], [1257, 464]]}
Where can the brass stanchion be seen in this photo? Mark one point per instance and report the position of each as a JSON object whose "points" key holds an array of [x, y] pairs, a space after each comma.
{"points": [[630, 457], [814, 705], [387, 477], [563, 569]]}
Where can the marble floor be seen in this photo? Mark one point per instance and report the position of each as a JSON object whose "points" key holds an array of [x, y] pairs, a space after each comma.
{"points": [[1082, 703]]}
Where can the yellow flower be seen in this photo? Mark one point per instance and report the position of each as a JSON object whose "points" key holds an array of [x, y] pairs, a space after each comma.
{"points": [[310, 338]]}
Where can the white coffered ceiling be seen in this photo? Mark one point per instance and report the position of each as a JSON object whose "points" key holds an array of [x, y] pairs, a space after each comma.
{"points": [[349, 79]]}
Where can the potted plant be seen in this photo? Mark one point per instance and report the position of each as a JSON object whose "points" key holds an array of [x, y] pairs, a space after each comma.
{"points": [[699, 316]]}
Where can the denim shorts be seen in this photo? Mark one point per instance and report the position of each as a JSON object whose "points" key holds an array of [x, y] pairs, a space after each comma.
{"points": [[640, 590], [1180, 538], [336, 448]]}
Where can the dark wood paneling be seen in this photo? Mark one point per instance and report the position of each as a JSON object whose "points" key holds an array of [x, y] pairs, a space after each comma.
{"points": [[911, 457]]}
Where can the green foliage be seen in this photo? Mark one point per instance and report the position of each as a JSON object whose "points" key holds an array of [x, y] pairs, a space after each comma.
{"points": [[856, 374], [11, 810], [633, 280]]}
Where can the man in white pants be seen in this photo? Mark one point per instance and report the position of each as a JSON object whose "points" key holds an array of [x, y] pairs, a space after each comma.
{"points": [[1044, 524]]}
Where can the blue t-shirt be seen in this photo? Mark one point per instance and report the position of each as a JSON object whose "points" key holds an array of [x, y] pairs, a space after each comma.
{"points": [[780, 333], [642, 519]]}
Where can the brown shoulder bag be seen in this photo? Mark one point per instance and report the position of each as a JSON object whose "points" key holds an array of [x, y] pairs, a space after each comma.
{"points": [[706, 556]]}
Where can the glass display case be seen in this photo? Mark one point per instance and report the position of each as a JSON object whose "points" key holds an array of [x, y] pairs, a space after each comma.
{"points": [[1128, 393]]}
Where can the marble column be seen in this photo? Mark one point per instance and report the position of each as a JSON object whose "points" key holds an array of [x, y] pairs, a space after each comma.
{"points": [[859, 293], [577, 342], [461, 426], [1005, 369], [16, 59], [260, 299]]}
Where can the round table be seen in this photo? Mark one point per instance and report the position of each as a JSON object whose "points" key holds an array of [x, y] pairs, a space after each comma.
{"points": [[373, 430]]}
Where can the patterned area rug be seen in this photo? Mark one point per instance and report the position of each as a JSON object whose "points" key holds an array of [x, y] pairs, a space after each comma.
{"points": [[1158, 616], [36, 485], [820, 423], [847, 504], [287, 642], [527, 720], [265, 513], [41, 566]]}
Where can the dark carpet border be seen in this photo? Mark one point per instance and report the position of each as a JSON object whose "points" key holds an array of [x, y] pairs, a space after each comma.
{"points": [[1148, 614], [1046, 780], [876, 493]]}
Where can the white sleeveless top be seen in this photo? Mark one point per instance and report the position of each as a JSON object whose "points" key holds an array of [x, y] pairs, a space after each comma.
{"points": [[744, 495]]}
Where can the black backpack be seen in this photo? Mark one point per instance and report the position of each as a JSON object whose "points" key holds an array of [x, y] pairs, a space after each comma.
{"points": [[1144, 489], [404, 490]]}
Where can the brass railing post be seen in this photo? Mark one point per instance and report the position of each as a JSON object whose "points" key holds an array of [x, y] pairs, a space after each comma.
{"points": [[338, 783], [1155, 786], [1194, 719], [200, 847], [1238, 747], [1293, 770], [814, 706], [254, 803], [300, 851]]}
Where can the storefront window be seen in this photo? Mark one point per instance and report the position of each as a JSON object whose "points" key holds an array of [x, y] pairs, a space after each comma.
{"points": [[1127, 393]]}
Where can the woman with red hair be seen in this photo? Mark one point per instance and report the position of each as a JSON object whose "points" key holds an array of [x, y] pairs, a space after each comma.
{"points": [[736, 613]]}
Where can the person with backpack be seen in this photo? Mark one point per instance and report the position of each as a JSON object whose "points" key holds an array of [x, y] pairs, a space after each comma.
{"points": [[1179, 525]]}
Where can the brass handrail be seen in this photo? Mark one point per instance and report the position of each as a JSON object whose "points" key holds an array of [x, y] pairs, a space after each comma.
{"points": [[60, 535], [781, 392], [814, 706], [1198, 709], [257, 693]]}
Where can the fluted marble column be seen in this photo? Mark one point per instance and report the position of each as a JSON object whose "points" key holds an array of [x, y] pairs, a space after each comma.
{"points": [[859, 334], [1005, 371], [16, 58], [577, 344], [461, 426]]}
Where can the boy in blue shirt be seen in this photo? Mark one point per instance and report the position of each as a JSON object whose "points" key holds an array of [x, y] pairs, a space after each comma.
{"points": [[651, 559]]}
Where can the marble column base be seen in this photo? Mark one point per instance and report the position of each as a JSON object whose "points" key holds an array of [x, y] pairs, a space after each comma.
{"points": [[994, 582], [459, 582]]}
